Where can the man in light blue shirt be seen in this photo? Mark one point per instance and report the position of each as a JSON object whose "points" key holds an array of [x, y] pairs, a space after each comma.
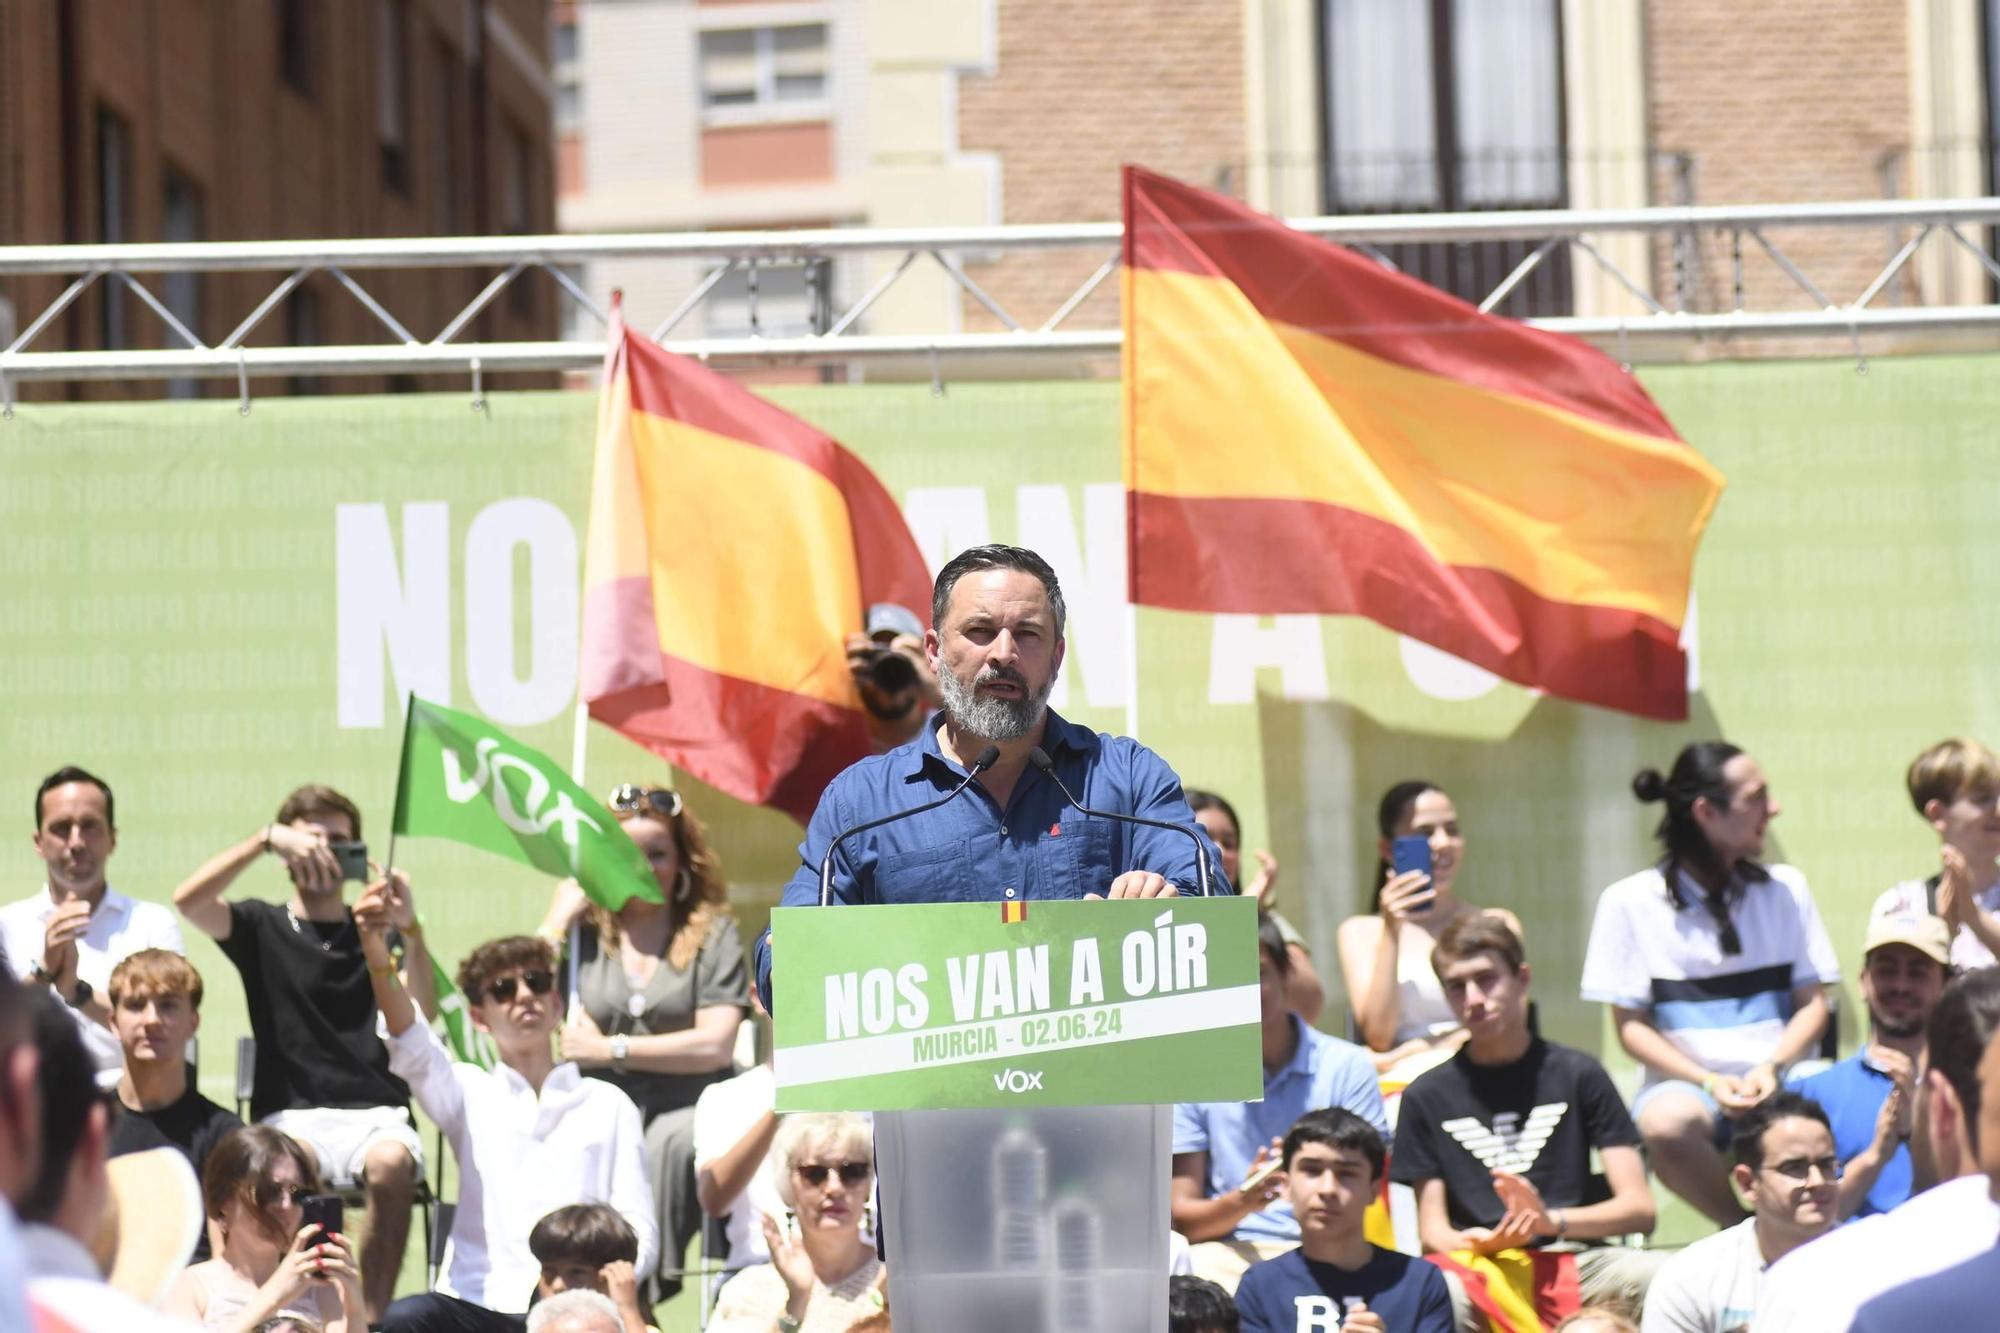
{"points": [[1232, 1218]]}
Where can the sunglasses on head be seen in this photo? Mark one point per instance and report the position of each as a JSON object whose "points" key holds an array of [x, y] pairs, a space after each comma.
{"points": [[629, 798], [851, 1173], [501, 989]]}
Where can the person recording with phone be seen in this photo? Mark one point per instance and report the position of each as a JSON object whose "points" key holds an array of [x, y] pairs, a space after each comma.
{"points": [[321, 1074], [1400, 1010], [284, 1248]]}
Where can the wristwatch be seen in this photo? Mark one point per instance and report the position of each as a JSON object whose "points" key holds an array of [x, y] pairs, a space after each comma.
{"points": [[619, 1048]]}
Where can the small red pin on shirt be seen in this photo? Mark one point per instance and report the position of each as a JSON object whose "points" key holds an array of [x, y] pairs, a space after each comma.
{"points": [[1055, 830]]}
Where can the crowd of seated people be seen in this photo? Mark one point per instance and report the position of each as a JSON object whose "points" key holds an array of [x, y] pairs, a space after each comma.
{"points": [[1845, 1193]]}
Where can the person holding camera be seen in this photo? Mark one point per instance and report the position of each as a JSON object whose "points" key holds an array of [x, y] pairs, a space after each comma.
{"points": [[898, 688], [322, 1074]]}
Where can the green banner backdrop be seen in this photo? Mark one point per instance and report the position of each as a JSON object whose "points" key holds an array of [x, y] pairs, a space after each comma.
{"points": [[209, 610]]}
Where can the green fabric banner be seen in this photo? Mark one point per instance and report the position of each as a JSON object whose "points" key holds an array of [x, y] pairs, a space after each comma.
{"points": [[467, 781], [1046, 1003]]}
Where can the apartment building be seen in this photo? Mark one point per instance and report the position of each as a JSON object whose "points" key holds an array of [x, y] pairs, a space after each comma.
{"points": [[169, 120]]}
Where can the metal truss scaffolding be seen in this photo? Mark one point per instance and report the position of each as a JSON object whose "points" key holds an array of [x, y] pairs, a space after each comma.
{"points": [[1679, 240]]}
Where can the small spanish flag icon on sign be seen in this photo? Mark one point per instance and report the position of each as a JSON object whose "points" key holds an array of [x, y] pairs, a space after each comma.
{"points": [[1012, 910]]}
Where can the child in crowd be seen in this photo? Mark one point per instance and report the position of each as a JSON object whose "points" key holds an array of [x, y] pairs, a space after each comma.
{"points": [[1333, 1163], [1196, 1305], [1955, 786], [589, 1247]]}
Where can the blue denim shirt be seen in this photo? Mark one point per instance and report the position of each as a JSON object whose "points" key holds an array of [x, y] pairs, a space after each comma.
{"points": [[972, 850]]}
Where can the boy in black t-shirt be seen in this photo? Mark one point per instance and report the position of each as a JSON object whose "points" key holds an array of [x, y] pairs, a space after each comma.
{"points": [[155, 999], [1497, 1141], [1336, 1280], [322, 1072]]}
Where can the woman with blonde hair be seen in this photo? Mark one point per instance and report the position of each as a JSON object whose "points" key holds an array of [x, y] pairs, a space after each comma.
{"points": [[269, 1265], [824, 1276], [661, 992]]}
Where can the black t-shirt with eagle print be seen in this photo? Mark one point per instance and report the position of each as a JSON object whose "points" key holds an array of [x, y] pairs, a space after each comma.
{"points": [[1538, 1117]]}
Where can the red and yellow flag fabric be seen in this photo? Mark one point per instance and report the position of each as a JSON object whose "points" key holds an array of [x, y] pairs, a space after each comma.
{"points": [[732, 549], [1309, 432]]}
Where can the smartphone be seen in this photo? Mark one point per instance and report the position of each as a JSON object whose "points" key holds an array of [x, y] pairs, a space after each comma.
{"points": [[1412, 852], [323, 1211], [353, 858], [1262, 1174]]}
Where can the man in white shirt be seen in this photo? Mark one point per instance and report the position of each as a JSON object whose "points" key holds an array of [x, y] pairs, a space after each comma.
{"points": [[1818, 1287], [530, 1136], [77, 928], [1787, 1168]]}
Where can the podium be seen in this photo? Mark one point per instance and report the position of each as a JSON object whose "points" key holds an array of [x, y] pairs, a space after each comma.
{"points": [[1021, 1061]]}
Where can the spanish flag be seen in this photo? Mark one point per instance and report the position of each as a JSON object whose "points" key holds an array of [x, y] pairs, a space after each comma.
{"points": [[732, 549], [1309, 432]]}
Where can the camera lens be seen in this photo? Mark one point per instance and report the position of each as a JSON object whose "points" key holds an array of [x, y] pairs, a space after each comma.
{"points": [[891, 673]]}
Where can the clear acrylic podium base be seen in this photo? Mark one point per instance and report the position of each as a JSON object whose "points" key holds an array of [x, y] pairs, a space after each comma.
{"points": [[1031, 1220]]}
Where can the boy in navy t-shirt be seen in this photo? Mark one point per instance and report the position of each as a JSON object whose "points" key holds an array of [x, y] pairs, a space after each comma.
{"points": [[1333, 1162]]}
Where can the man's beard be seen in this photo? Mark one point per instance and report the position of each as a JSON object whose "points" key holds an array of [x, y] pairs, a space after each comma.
{"points": [[987, 717], [1888, 1027]]}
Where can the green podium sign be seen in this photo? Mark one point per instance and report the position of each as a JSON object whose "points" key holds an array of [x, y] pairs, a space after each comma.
{"points": [[1046, 1003]]}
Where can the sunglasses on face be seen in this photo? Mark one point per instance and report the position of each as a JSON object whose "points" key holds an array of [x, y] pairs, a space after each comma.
{"points": [[629, 798], [851, 1173], [270, 1195], [501, 989]]}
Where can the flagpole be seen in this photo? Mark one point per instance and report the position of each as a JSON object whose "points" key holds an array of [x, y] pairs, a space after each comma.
{"points": [[1132, 670], [578, 749], [402, 769]]}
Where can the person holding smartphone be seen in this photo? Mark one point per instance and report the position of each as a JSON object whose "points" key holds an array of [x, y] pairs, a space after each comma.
{"points": [[321, 1074], [259, 1187], [1400, 1010]]}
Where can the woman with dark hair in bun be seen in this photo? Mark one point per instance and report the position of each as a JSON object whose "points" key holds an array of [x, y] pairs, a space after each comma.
{"points": [[1713, 964]]}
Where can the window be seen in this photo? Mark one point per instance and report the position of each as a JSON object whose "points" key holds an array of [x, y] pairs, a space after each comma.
{"points": [[517, 216], [765, 71], [181, 220], [792, 301], [565, 68], [113, 175], [1449, 106], [295, 44], [392, 89]]}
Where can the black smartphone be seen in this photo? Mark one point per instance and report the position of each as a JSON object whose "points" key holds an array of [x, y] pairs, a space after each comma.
{"points": [[325, 1212], [353, 858]]}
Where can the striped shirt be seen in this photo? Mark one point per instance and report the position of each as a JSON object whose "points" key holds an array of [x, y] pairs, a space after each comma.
{"points": [[1725, 1011]]}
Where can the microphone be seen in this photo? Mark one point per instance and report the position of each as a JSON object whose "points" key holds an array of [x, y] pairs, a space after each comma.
{"points": [[987, 758], [1039, 760]]}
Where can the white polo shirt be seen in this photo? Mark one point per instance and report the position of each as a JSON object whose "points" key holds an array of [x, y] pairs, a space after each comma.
{"points": [[120, 927], [1821, 1286], [1726, 1011]]}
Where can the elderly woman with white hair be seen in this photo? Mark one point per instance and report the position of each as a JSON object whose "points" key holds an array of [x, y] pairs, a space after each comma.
{"points": [[823, 1276]]}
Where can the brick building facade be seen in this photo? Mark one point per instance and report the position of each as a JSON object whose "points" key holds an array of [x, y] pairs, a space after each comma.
{"points": [[154, 120]]}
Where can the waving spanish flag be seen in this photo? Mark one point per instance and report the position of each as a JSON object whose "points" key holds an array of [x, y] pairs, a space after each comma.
{"points": [[732, 549], [1307, 431]]}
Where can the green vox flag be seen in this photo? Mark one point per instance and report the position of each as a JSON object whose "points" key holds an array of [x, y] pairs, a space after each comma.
{"points": [[467, 1042], [474, 784]]}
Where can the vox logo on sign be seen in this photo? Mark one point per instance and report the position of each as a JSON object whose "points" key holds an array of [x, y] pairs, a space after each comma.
{"points": [[1017, 1080]]}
